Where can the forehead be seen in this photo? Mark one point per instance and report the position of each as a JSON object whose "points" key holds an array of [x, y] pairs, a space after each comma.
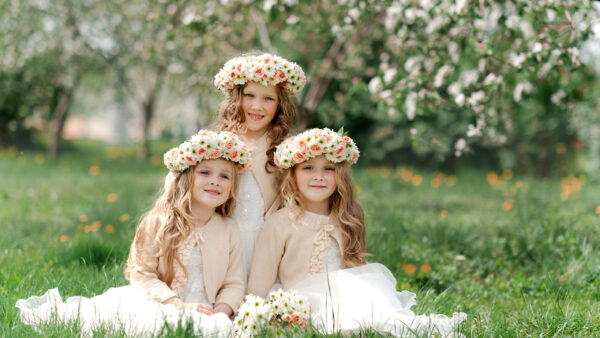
{"points": [[258, 88], [216, 164], [319, 160]]}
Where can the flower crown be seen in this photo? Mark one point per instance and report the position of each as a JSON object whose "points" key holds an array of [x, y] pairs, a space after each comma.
{"points": [[314, 142], [266, 69], [208, 145]]}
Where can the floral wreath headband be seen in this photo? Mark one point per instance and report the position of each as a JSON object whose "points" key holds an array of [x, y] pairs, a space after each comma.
{"points": [[314, 142], [266, 69], [208, 145]]}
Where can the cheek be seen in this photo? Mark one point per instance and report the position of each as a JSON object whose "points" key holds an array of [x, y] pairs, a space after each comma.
{"points": [[245, 104], [271, 108], [227, 187]]}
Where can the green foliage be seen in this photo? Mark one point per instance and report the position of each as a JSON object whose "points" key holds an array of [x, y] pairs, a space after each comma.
{"points": [[530, 270]]}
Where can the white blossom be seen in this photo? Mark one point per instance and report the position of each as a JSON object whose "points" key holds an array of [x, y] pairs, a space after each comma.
{"points": [[412, 64], [476, 97], [460, 99], [389, 74], [375, 85], [522, 87], [558, 96], [411, 105], [469, 77], [439, 76], [517, 59]]}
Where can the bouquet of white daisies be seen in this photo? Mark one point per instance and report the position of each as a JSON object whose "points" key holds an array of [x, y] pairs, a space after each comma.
{"points": [[282, 309]]}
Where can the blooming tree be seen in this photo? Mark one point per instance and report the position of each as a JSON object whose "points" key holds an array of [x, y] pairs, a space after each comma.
{"points": [[492, 74]]}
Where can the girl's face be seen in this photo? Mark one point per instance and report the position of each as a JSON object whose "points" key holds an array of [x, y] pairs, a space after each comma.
{"points": [[259, 103], [316, 181], [212, 183]]}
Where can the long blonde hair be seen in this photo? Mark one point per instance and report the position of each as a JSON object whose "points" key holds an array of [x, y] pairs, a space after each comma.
{"points": [[343, 206], [232, 118], [170, 222]]}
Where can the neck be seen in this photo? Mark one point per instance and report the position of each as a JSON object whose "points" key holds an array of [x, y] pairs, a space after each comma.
{"points": [[253, 136], [202, 214], [319, 208]]}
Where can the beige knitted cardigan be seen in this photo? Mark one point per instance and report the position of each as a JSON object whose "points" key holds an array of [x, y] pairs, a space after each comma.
{"points": [[220, 248], [291, 249]]}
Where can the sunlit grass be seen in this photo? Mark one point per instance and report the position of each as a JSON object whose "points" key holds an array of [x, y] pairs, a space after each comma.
{"points": [[519, 255]]}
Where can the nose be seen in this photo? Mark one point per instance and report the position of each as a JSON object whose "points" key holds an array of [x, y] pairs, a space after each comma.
{"points": [[255, 105]]}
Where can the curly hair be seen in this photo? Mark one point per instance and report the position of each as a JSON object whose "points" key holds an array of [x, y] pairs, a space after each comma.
{"points": [[343, 205], [232, 118], [170, 222]]}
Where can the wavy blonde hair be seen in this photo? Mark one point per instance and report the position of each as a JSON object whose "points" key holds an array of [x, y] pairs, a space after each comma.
{"points": [[344, 207], [170, 222], [232, 118]]}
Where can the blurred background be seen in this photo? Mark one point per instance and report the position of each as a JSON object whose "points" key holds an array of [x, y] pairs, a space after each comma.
{"points": [[433, 83]]}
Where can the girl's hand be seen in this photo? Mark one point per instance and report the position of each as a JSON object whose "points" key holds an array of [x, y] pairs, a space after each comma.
{"points": [[202, 308], [224, 308]]}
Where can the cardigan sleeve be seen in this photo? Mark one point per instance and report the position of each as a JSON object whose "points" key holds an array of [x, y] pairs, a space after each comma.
{"points": [[143, 267], [268, 252], [232, 289]]}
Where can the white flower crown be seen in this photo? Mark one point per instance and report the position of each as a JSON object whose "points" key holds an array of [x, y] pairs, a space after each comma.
{"points": [[266, 69], [315, 142], [208, 145]]}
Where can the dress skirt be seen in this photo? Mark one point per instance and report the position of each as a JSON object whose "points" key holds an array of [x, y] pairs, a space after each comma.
{"points": [[122, 308], [365, 298]]}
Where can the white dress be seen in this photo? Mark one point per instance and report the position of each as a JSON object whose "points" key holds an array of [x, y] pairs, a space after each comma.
{"points": [[127, 308], [350, 300], [249, 216]]}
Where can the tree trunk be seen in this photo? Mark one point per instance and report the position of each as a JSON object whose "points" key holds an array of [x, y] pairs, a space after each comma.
{"points": [[65, 98], [120, 134], [318, 88], [148, 112]]}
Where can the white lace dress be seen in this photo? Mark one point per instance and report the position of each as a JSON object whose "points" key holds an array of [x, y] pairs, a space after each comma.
{"points": [[249, 216], [127, 308], [350, 300]]}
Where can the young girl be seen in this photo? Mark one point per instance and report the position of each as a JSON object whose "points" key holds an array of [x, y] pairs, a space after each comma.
{"points": [[259, 109], [185, 260], [316, 246]]}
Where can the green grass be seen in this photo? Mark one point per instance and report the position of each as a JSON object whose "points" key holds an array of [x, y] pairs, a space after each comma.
{"points": [[532, 270]]}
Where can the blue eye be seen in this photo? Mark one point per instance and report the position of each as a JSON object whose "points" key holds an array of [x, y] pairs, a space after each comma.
{"points": [[330, 169], [225, 176], [307, 167], [204, 172], [249, 95], [270, 99]]}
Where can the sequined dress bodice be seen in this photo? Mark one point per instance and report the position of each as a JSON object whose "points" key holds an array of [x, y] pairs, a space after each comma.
{"points": [[249, 216], [194, 288]]}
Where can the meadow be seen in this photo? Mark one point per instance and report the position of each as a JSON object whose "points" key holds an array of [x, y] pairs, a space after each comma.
{"points": [[519, 255]]}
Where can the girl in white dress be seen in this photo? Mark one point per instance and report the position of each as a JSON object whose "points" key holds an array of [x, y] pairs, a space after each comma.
{"points": [[259, 109], [185, 261], [316, 245]]}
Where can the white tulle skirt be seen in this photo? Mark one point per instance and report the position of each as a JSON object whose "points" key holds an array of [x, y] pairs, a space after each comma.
{"points": [[365, 297], [123, 308]]}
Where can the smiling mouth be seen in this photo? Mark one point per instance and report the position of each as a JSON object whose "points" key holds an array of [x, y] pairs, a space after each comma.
{"points": [[212, 192], [255, 117], [318, 186]]}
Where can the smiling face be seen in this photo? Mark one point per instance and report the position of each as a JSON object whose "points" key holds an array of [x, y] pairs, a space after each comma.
{"points": [[212, 183], [259, 104], [316, 182]]}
